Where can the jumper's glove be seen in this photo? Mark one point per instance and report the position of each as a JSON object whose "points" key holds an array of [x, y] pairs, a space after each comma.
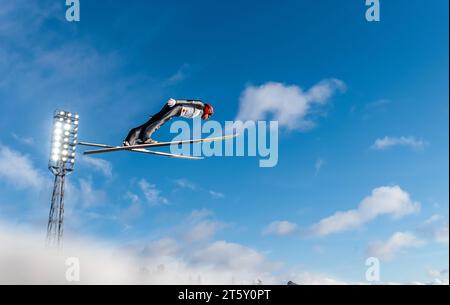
{"points": [[171, 102]]}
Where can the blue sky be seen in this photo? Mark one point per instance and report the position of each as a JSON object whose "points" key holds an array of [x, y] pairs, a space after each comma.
{"points": [[122, 61]]}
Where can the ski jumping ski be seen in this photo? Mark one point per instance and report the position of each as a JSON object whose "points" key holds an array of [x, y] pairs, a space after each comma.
{"points": [[143, 151], [142, 148]]}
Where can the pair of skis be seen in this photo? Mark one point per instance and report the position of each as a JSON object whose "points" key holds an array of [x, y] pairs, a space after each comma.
{"points": [[143, 148]]}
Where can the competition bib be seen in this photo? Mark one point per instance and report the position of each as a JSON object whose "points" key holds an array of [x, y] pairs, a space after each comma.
{"points": [[190, 112]]}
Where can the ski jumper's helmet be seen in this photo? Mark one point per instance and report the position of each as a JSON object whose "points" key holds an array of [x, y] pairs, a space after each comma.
{"points": [[208, 109]]}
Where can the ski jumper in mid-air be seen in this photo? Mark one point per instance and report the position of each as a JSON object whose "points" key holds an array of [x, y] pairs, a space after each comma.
{"points": [[173, 108]]}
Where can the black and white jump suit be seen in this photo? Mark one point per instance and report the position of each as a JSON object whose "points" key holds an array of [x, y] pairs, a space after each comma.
{"points": [[173, 108]]}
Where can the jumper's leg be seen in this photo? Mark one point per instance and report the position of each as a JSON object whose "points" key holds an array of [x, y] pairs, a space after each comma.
{"points": [[156, 122]]}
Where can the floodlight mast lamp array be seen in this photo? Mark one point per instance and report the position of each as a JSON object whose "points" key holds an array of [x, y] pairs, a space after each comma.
{"points": [[61, 163], [64, 142]]}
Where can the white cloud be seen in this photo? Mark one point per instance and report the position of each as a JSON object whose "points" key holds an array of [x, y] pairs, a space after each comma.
{"points": [[378, 104], [437, 273], [290, 105], [433, 219], [200, 226], [163, 247], [18, 170], [151, 193], [36, 14], [132, 197], [280, 228], [37, 68], [23, 140], [197, 215], [186, 184], [385, 200], [222, 255], [440, 277], [434, 228], [179, 76], [89, 196], [386, 250], [216, 195], [318, 165], [309, 278], [203, 230], [100, 165], [134, 210], [438, 281], [389, 142], [441, 235], [25, 260]]}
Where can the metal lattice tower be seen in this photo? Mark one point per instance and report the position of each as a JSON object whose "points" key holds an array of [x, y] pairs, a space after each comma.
{"points": [[55, 227], [62, 161]]}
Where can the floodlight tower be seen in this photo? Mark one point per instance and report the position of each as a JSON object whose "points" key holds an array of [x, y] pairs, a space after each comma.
{"points": [[61, 163]]}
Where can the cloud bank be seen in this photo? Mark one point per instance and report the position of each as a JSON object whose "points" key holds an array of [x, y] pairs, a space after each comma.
{"points": [[25, 260]]}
